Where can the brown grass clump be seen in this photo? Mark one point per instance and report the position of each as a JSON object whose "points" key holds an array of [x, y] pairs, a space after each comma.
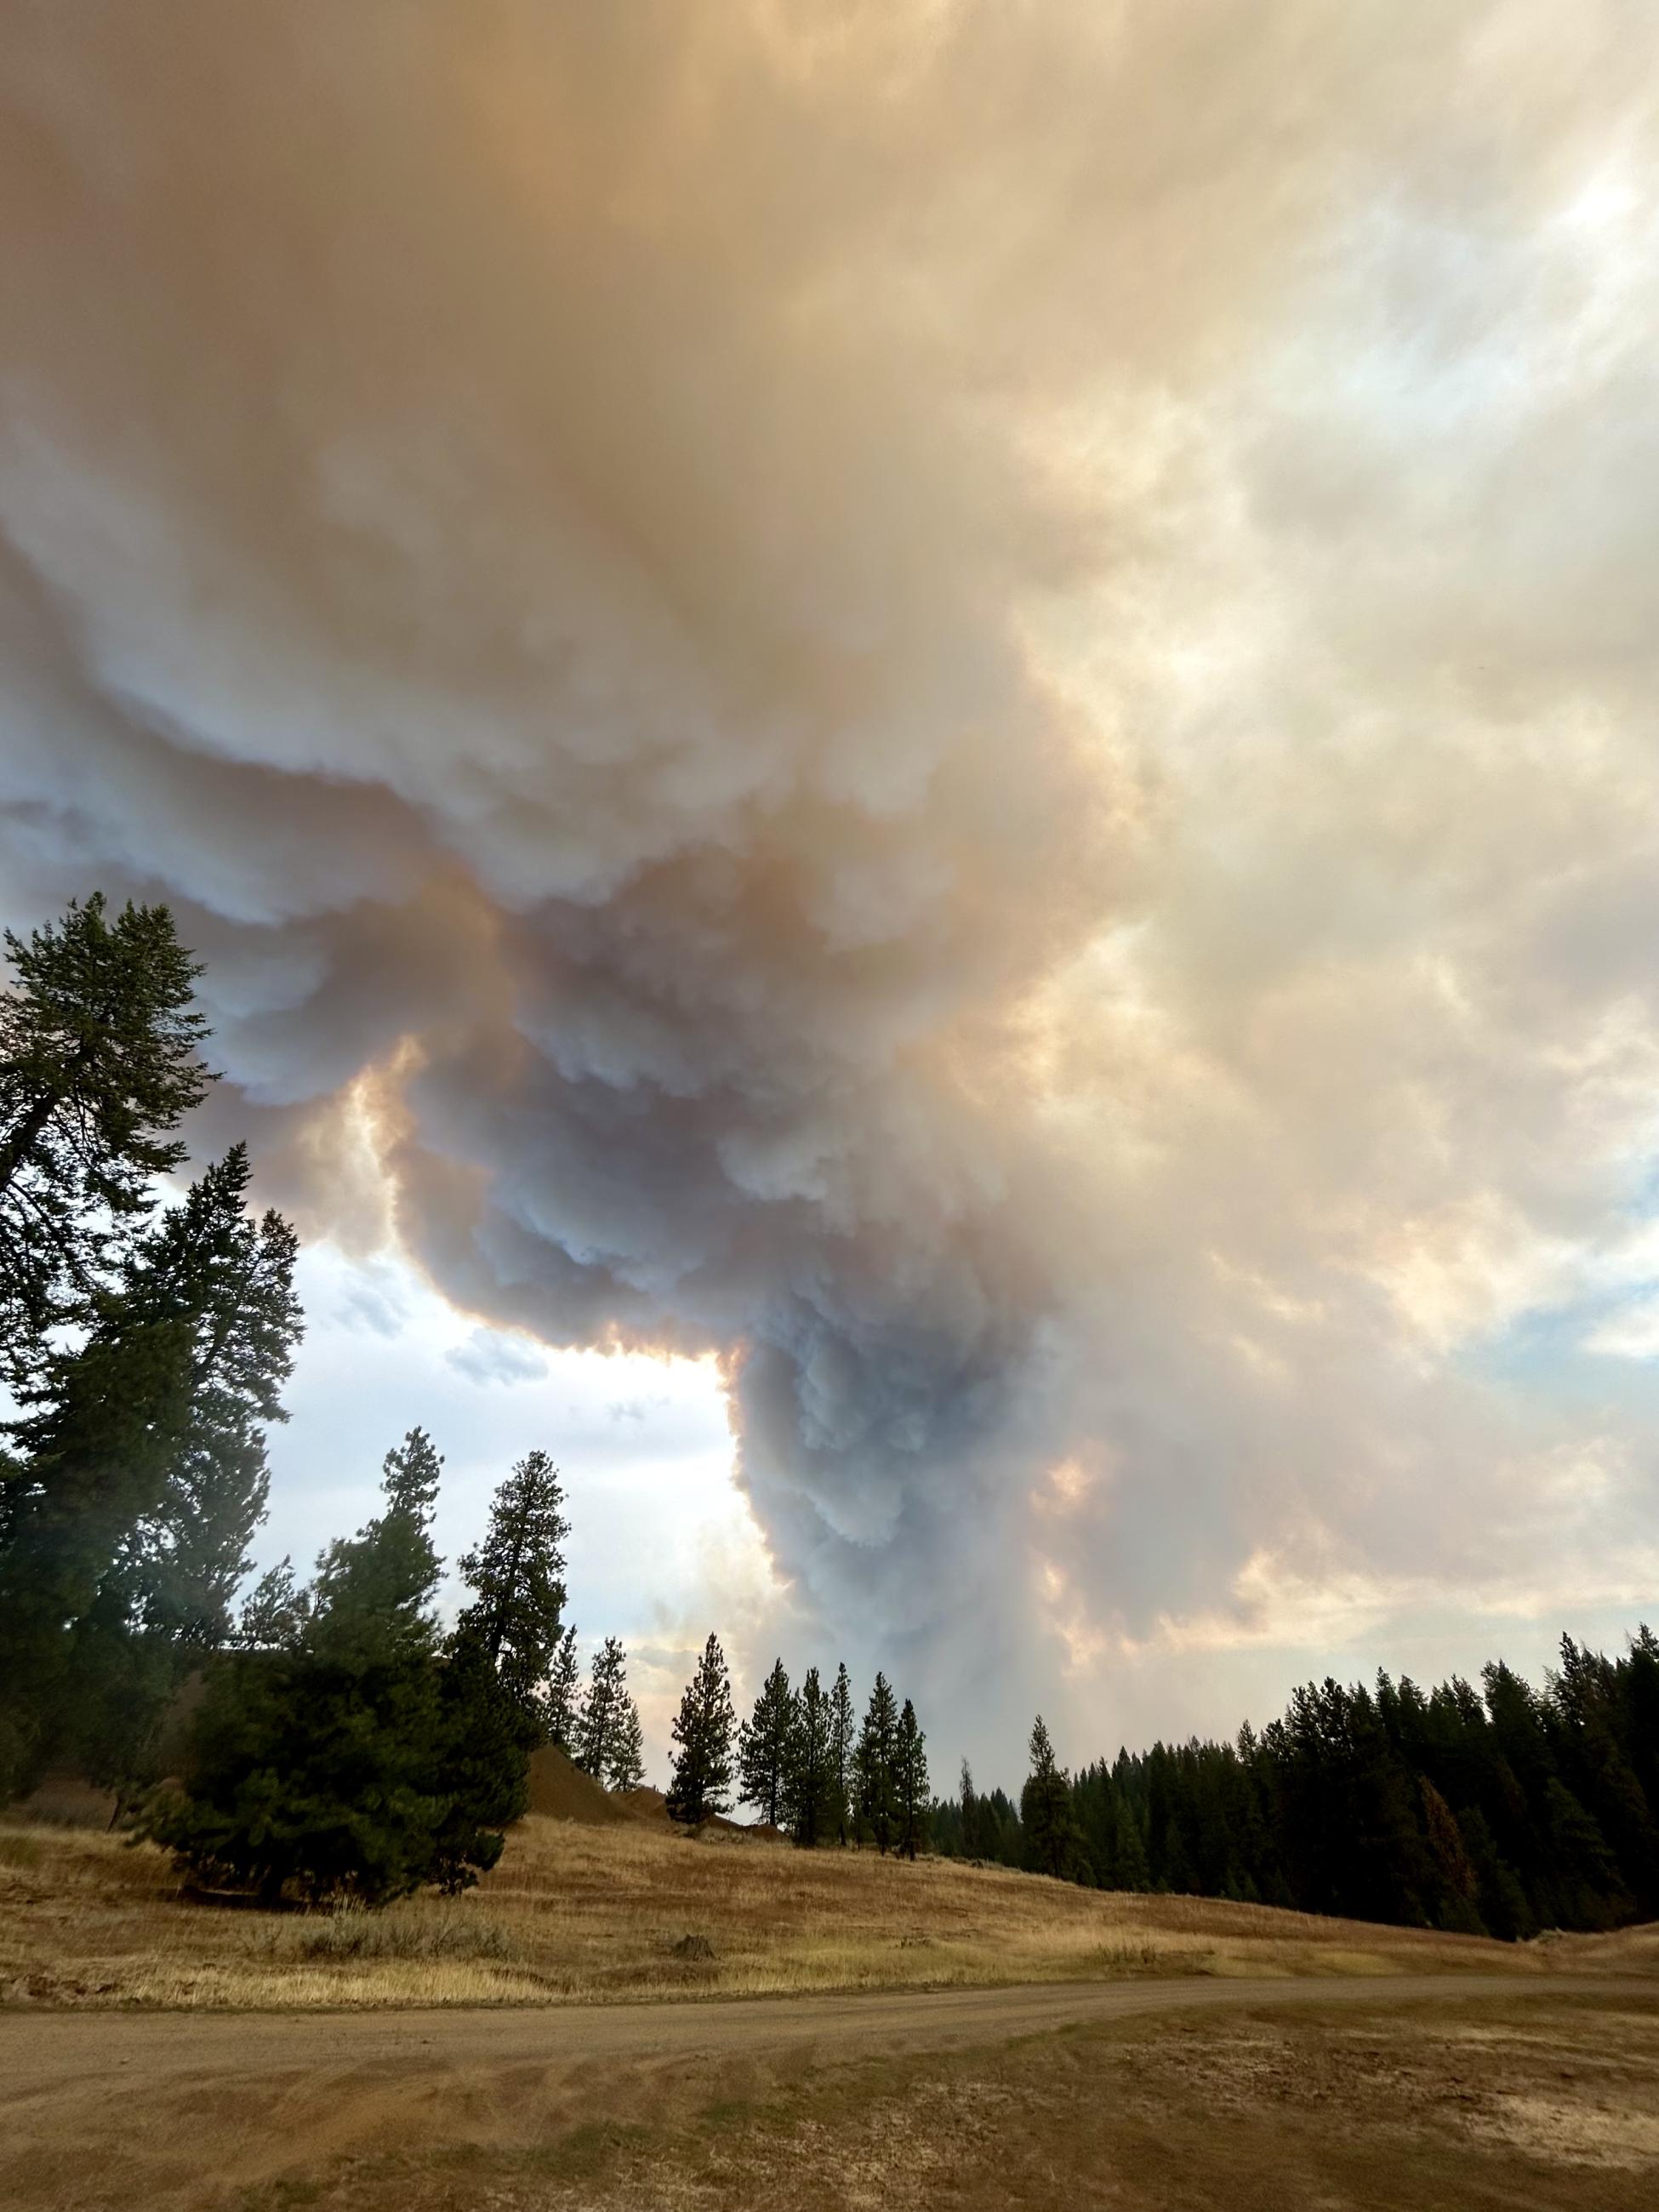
{"points": [[579, 1912], [414, 1930]]}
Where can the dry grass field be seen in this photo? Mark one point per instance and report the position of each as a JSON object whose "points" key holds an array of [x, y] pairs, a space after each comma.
{"points": [[615, 1904]]}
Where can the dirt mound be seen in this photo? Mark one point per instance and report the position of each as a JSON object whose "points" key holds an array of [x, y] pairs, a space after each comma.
{"points": [[650, 1805], [742, 1832], [644, 1803], [560, 1791]]}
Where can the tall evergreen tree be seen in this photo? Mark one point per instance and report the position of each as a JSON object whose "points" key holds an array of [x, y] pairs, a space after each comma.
{"points": [[1456, 1905], [560, 1701], [1588, 1891], [1045, 1808], [375, 1591], [603, 1710], [763, 1749], [912, 1790], [700, 1783], [481, 1769], [98, 1452], [216, 1291], [968, 1801], [126, 1527], [274, 1612], [517, 1575], [811, 1797], [626, 1766], [1500, 1900], [843, 1746], [130, 1559], [873, 1764], [1129, 1868], [410, 1475], [1599, 1752], [100, 1057], [230, 1280]]}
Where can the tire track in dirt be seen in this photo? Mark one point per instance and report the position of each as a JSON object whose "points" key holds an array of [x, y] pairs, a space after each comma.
{"points": [[38, 2050]]}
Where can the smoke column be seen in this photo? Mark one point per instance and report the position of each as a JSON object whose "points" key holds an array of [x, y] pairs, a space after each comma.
{"points": [[795, 656]]}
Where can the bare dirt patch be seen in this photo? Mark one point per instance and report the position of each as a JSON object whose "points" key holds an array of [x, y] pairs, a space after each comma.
{"points": [[559, 1790]]}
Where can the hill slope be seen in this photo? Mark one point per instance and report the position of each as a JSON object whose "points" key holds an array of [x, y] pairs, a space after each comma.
{"points": [[618, 1905]]}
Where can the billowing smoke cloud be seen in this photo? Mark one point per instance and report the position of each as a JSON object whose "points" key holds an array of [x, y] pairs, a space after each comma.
{"points": [[951, 697]]}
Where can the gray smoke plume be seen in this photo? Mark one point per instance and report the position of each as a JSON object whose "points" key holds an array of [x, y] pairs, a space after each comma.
{"points": [[886, 692]]}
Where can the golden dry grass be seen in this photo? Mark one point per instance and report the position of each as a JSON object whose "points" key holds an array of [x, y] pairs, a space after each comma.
{"points": [[585, 1913]]}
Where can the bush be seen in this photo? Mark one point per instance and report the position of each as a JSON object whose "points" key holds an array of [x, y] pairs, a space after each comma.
{"points": [[356, 1760], [315, 1778], [419, 1932]]}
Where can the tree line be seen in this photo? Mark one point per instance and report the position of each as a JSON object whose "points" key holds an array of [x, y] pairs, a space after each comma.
{"points": [[798, 1761], [1500, 1811]]}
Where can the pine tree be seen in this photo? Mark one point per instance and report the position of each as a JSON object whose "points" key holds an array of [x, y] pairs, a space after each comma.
{"points": [[912, 1790], [1129, 1866], [1499, 1898], [1045, 1808], [1587, 1874], [969, 1804], [603, 1709], [874, 1780], [702, 1780], [231, 1281], [126, 1553], [763, 1749], [841, 1748], [812, 1798], [626, 1770], [99, 1059], [274, 1613], [1592, 1727], [561, 1711], [99, 1455], [343, 1760], [518, 1576], [1456, 1910], [480, 1768], [410, 1474]]}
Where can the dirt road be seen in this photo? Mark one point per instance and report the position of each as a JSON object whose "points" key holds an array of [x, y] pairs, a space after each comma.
{"points": [[43, 2052], [115, 2108]]}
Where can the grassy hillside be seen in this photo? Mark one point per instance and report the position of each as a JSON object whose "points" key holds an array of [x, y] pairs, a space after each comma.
{"points": [[597, 1898]]}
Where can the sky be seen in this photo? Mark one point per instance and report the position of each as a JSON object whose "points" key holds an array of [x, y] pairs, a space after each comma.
{"points": [[914, 749]]}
